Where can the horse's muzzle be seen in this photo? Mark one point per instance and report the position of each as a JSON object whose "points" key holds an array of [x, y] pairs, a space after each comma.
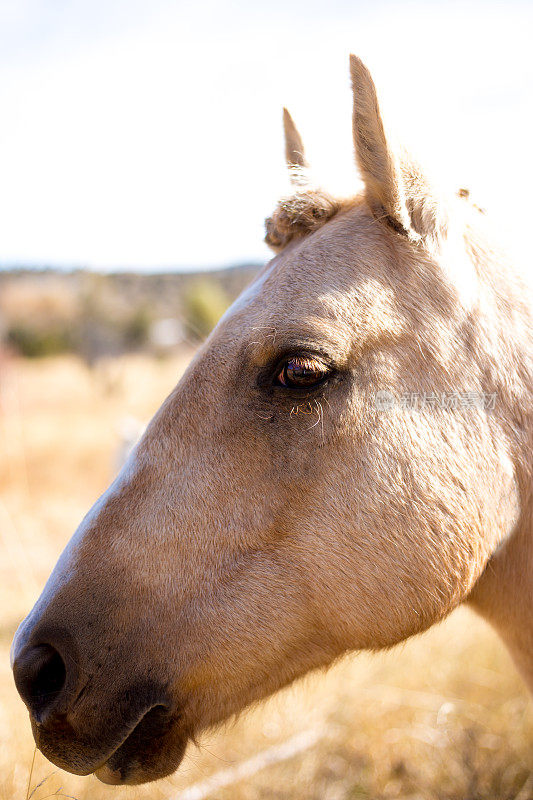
{"points": [[135, 735]]}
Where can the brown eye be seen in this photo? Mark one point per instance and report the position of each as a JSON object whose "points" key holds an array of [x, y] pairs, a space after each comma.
{"points": [[302, 372]]}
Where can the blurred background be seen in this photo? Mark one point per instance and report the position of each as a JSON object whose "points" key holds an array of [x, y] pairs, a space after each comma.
{"points": [[140, 151]]}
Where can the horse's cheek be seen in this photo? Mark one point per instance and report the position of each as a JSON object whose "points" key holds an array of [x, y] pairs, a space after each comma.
{"points": [[410, 528]]}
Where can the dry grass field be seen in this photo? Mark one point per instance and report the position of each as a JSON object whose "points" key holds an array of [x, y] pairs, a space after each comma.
{"points": [[444, 717]]}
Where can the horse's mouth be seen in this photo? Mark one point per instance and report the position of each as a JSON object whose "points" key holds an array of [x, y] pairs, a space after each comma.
{"points": [[150, 749], [153, 749]]}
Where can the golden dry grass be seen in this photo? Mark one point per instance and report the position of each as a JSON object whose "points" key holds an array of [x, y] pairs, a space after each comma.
{"points": [[443, 717]]}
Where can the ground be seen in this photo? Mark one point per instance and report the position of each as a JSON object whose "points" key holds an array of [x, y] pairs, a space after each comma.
{"points": [[443, 717]]}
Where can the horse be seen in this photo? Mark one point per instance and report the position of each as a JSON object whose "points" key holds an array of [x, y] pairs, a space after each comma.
{"points": [[346, 459]]}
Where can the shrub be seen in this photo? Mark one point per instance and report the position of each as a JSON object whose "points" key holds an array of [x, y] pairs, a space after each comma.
{"points": [[204, 302], [36, 343], [137, 329]]}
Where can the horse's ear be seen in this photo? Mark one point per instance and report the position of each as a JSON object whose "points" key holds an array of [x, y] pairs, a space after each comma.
{"points": [[396, 189], [294, 151]]}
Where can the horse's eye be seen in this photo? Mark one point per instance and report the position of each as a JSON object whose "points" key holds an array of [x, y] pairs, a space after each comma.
{"points": [[302, 372]]}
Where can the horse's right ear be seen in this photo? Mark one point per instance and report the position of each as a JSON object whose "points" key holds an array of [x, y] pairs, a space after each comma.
{"points": [[396, 189], [294, 152]]}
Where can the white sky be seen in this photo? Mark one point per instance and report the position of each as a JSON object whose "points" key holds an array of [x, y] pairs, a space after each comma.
{"points": [[148, 134]]}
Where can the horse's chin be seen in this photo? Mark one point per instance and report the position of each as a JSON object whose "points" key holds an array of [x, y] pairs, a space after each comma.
{"points": [[153, 750], [123, 771]]}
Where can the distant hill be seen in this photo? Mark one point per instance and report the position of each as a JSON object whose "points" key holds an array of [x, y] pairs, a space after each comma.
{"points": [[45, 311]]}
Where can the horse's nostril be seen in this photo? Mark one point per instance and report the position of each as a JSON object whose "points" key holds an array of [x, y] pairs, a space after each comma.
{"points": [[40, 675]]}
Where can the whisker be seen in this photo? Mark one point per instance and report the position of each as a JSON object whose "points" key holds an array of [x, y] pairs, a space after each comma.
{"points": [[28, 795]]}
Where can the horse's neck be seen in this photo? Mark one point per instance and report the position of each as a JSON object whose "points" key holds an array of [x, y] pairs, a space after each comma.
{"points": [[504, 593]]}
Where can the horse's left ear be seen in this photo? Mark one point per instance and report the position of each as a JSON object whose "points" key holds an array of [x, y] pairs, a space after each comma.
{"points": [[294, 152], [396, 189]]}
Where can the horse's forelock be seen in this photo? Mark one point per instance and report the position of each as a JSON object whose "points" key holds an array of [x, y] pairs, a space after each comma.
{"points": [[301, 213]]}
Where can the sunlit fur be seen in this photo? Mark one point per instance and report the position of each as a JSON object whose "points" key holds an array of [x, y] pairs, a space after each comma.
{"points": [[257, 534]]}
